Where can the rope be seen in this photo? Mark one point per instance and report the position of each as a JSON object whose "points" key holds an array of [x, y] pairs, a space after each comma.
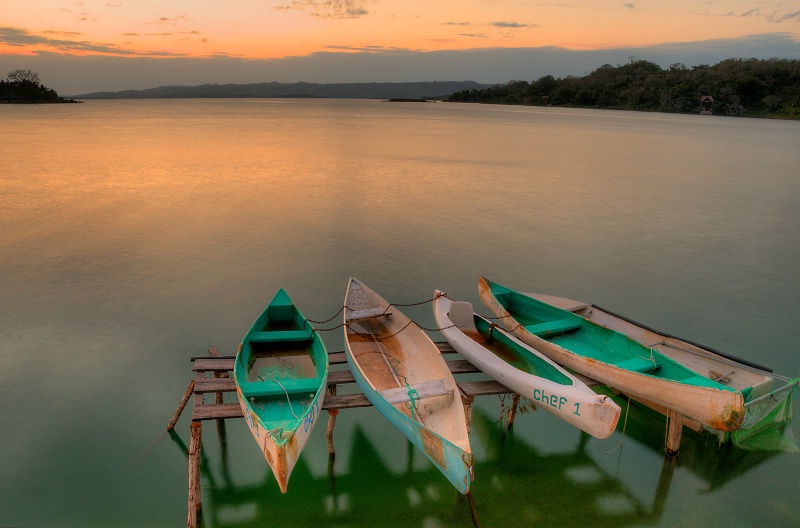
{"points": [[330, 319], [288, 400], [624, 427], [334, 316], [411, 393]]}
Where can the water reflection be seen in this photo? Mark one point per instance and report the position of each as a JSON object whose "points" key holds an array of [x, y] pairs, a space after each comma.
{"points": [[714, 464], [513, 476], [517, 483]]}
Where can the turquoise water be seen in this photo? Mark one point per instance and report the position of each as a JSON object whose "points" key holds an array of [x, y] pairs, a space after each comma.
{"points": [[136, 234]]}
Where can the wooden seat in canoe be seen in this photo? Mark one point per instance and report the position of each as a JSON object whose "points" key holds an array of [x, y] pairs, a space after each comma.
{"points": [[420, 391], [277, 336], [280, 387], [369, 313], [639, 364], [553, 327]]}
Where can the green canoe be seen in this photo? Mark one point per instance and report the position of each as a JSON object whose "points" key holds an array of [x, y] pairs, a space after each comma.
{"points": [[281, 374], [613, 358]]}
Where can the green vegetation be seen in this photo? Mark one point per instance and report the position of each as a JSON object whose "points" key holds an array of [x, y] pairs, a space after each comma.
{"points": [[23, 86], [755, 88]]}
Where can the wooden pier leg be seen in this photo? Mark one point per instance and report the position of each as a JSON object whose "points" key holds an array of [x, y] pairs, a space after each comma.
{"points": [[468, 416], [513, 412], [174, 420], [329, 431], [331, 424], [195, 493], [674, 430]]}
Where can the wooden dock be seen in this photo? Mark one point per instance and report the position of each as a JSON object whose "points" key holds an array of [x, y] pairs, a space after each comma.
{"points": [[212, 376], [220, 382]]}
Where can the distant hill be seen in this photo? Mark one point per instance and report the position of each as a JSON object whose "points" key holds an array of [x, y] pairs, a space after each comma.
{"points": [[747, 87], [402, 90]]}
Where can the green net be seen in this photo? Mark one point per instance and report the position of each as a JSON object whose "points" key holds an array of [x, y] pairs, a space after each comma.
{"points": [[767, 424]]}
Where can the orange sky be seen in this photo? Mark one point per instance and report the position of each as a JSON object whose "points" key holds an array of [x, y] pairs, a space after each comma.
{"points": [[281, 28]]}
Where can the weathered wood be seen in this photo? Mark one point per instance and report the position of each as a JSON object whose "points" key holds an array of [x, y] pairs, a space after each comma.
{"points": [[221, 384], [337, 358], [195, 493], [213, 412], [210, 363], [483, 388], [181, 406], [420, 391], [218, 398], [331, 423], [346, 401], [513, 412], [674, 430], [214, 385]]}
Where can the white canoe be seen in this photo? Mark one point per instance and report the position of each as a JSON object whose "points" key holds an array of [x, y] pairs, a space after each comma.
{"points": [[402, 373], [522, 369]]}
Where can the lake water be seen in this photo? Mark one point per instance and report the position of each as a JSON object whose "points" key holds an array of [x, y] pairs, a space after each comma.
{"points": [[136, 234]]}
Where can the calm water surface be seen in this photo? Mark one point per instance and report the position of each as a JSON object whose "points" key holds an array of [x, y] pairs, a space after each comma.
{"points": [[136, 234]]}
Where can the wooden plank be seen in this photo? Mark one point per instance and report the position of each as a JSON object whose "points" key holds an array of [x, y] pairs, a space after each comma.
{"points": [[483, 388], [345, 401], [426, 389], [214, 385], [213, 412], [339, 377], [337, 358], [212, 364], [461, 366]]}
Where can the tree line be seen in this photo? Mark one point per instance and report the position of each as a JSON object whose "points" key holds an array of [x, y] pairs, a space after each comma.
{"points": [[750, 87], [23, 86]]}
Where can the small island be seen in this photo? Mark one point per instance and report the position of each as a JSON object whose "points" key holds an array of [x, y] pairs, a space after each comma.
{"points": [[23, 87]]}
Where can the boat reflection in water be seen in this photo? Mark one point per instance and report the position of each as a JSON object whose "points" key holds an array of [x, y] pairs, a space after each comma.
{"points": [[517, 484]]}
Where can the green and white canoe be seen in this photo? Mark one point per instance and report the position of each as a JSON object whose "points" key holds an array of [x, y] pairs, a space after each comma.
{"points": [[281, 374], [613, 358], [768, 397]]}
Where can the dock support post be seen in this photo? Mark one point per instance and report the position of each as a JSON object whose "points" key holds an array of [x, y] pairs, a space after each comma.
{"points": [[674, 430], [179, 410], [331, 424], [195, 493], [513, 412]]}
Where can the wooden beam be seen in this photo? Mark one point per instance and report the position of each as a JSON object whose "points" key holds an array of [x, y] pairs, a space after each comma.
{"points": [[195, 493], [181, 406], [674, 430]]}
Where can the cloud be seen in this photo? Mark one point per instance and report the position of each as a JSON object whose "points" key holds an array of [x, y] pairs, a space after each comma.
{"points": [[23, 38], [784, 18], [628, 5], [331, 8], [512, 25], [753, 12]]}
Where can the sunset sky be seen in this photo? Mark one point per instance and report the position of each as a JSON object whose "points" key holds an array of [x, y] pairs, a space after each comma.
{"points": [[87, 37]]}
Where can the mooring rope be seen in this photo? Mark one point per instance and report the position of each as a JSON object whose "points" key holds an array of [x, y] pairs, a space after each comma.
{"points": [[624, 427], [385, 311]]}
